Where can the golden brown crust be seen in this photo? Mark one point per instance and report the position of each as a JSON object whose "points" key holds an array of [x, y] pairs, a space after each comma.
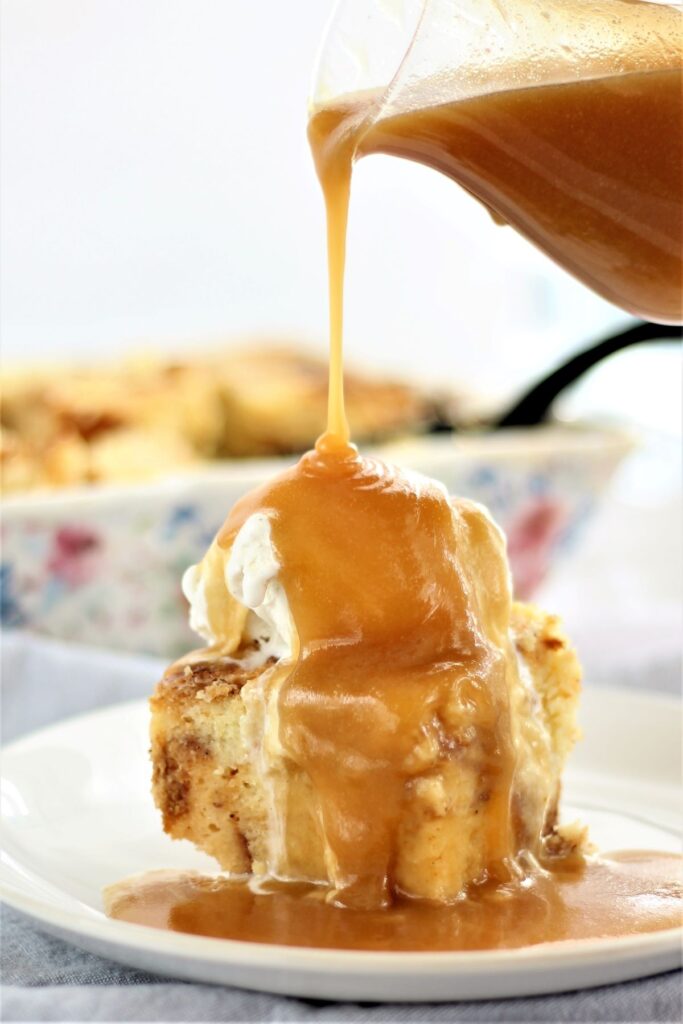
{"points": [[203, 677]]}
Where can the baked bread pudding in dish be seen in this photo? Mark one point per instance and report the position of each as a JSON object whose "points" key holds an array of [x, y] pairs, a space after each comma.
{"points": [[373, 712], [136, 421]]}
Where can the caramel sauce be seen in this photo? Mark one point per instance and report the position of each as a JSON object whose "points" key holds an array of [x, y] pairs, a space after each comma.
{"points": [[401, 605], [590, 171], [623, 894]]}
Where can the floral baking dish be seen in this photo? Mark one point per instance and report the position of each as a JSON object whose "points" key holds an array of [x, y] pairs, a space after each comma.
{"points": [[102, 565]]}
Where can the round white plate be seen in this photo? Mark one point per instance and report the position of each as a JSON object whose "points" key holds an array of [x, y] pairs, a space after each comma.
{"points": [[78, 816]]}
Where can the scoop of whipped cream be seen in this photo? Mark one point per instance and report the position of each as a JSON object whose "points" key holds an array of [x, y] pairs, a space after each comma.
{"points": [[249, 573]]}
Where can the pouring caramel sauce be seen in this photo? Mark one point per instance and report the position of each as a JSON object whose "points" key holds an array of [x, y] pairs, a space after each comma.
{"points": [[404, 605], [590, 171]]}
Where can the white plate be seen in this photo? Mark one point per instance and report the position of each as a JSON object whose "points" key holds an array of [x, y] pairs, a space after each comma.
{"points": [[78, 815]]}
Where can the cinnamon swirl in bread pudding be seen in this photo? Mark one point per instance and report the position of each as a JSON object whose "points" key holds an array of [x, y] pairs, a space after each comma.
{"points": [[373, 712]]}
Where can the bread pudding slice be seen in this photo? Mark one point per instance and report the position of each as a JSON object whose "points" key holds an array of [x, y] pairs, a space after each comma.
{"points": [[209, 787]]}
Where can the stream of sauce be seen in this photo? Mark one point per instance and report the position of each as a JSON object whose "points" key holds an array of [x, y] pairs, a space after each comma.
{"points": [[624, 894], [401, 598], [590, 171]]}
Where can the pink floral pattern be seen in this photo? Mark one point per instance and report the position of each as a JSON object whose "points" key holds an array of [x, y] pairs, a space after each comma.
{"points": [[75, 555], [532, 538]]}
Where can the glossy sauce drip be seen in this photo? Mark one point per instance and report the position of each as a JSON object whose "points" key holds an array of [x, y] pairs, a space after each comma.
{"points": [[590, 171], [401, 604], [624, 894], [334, 136]]}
